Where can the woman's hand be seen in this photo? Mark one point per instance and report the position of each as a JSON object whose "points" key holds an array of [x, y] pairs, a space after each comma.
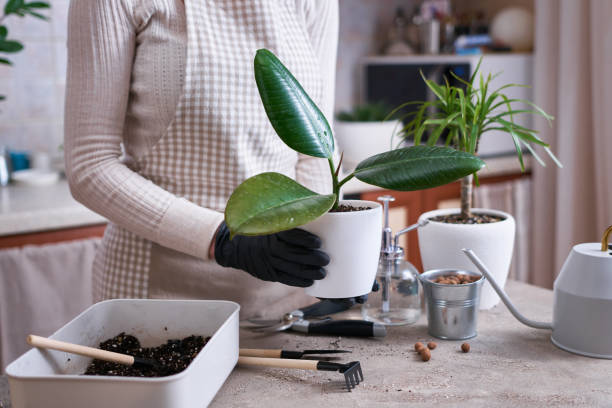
{"points": [[290, 257]]}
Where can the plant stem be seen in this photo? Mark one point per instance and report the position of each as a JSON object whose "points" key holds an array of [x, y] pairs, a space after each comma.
{"points": [[344, 180], [336, 186], [466, 196]]}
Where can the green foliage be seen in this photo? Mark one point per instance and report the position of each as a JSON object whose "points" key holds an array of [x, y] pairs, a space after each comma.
{"points": [[295, 117], [470, 113], [370, 112], [21, 9], [270, 202], [416, 168]]}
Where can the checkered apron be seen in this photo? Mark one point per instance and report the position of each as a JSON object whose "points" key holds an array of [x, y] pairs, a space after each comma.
{"points": [[219, 136]]}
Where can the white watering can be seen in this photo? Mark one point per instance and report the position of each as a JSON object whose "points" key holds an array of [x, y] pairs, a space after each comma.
{"points": [[582, 311]]}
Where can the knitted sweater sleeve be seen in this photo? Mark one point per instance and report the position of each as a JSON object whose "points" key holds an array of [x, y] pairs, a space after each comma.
{"points": [[101, 47]]}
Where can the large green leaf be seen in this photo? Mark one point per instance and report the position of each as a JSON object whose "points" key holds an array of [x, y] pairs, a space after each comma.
{"points": [[293, 115], [417, 167], [270, 202]]}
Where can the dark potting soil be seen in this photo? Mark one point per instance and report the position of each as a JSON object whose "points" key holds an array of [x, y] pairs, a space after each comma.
{"points": [[473, 219], [348, 208], [172, 357]]}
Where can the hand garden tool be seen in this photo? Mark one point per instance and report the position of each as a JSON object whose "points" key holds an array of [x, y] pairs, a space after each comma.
{"points": [[352, 371], [358, 328], [99, 354], [290, 354], [323, 307]]}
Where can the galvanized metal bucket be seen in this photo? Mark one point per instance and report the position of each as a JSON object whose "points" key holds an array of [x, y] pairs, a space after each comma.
{"points": [[452, 310]]}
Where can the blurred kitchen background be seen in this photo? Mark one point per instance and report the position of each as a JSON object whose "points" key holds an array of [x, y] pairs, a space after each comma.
{"points": [[47, 240]]}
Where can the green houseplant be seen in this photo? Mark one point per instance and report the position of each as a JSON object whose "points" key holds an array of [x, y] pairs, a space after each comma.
{"points": [[466, 115], [271, 202], [462, 116], [21, 9], [367, 112]]}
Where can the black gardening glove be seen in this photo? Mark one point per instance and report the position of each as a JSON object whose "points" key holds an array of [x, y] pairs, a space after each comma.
{"points": [[290, 257]]}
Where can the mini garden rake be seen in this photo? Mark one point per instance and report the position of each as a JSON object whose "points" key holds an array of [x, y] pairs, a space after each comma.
{"points": [[352, 371]]}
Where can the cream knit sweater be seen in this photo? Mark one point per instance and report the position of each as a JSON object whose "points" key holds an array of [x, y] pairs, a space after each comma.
{"points": [[126, 65]]}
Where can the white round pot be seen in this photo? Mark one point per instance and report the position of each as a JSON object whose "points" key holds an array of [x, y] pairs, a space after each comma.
{"points": [[352, 240], [360, 140], [440, 245]]}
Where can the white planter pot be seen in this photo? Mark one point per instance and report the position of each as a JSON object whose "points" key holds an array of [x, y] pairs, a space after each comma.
{"points": [[360, 140], [352, 240], [441, 243]]}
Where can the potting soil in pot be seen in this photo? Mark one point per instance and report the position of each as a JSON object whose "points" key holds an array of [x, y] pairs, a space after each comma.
{"points": [[173, 357], [473, 219], [348, 208]]}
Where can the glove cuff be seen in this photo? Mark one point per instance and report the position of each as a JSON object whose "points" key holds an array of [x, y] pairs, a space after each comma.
{"points": [[221, 241]]}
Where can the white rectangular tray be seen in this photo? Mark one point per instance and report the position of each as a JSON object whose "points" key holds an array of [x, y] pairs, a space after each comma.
{"points": [[51, 379]]}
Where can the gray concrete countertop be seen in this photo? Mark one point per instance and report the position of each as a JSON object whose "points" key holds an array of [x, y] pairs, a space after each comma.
{"points": [[25, 209], [509, 365]]}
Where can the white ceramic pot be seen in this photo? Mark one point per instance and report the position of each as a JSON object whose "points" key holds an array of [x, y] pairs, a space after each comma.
{"points": [[360, 140], [441, 243], [352, 240]]}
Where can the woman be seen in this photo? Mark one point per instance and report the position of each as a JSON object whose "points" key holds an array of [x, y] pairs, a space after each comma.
{"points": [[172, 83]]}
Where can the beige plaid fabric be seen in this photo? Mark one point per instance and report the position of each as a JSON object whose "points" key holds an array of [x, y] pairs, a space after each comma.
{"points": [[220, 134]]}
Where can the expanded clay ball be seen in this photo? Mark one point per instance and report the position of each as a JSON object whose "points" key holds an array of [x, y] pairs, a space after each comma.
{"points": [[465, 347], [425, 354], [418, 346], [432, 345]]}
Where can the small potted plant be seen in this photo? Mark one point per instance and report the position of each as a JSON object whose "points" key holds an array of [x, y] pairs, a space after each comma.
{"points": [[364, 131], [350, 230], [462, 117], [21, 9]]}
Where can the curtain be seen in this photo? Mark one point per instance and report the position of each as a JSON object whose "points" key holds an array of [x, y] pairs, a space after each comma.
{"points": [[42, 287], [572, 78], [514, 198]]}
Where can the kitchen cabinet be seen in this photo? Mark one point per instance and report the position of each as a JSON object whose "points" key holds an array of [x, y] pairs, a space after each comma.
{"points": [[48, 243], [51, 237]]}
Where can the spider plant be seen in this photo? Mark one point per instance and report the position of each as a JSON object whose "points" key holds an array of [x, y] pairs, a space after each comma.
{"points": [[466, 115], [271, 202]]}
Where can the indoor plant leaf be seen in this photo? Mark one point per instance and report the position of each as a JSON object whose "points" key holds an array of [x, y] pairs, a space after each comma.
{"points": [[10, 46], [294, 116], [271, 202], [38, 4], [417, 167]]}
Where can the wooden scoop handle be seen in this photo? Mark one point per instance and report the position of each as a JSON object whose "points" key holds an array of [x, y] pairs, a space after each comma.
{"points": [[266, 353], [44, 342], [278, 362]]}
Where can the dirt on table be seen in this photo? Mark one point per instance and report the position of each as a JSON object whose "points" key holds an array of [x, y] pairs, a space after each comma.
{"points": [[172, 357]]}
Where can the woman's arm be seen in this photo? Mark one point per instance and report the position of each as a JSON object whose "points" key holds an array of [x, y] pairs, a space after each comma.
{"points": [[321, 18], [101, 46]]}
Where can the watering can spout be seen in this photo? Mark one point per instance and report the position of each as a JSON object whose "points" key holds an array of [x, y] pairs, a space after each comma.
{"points": [[482, 268]]}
